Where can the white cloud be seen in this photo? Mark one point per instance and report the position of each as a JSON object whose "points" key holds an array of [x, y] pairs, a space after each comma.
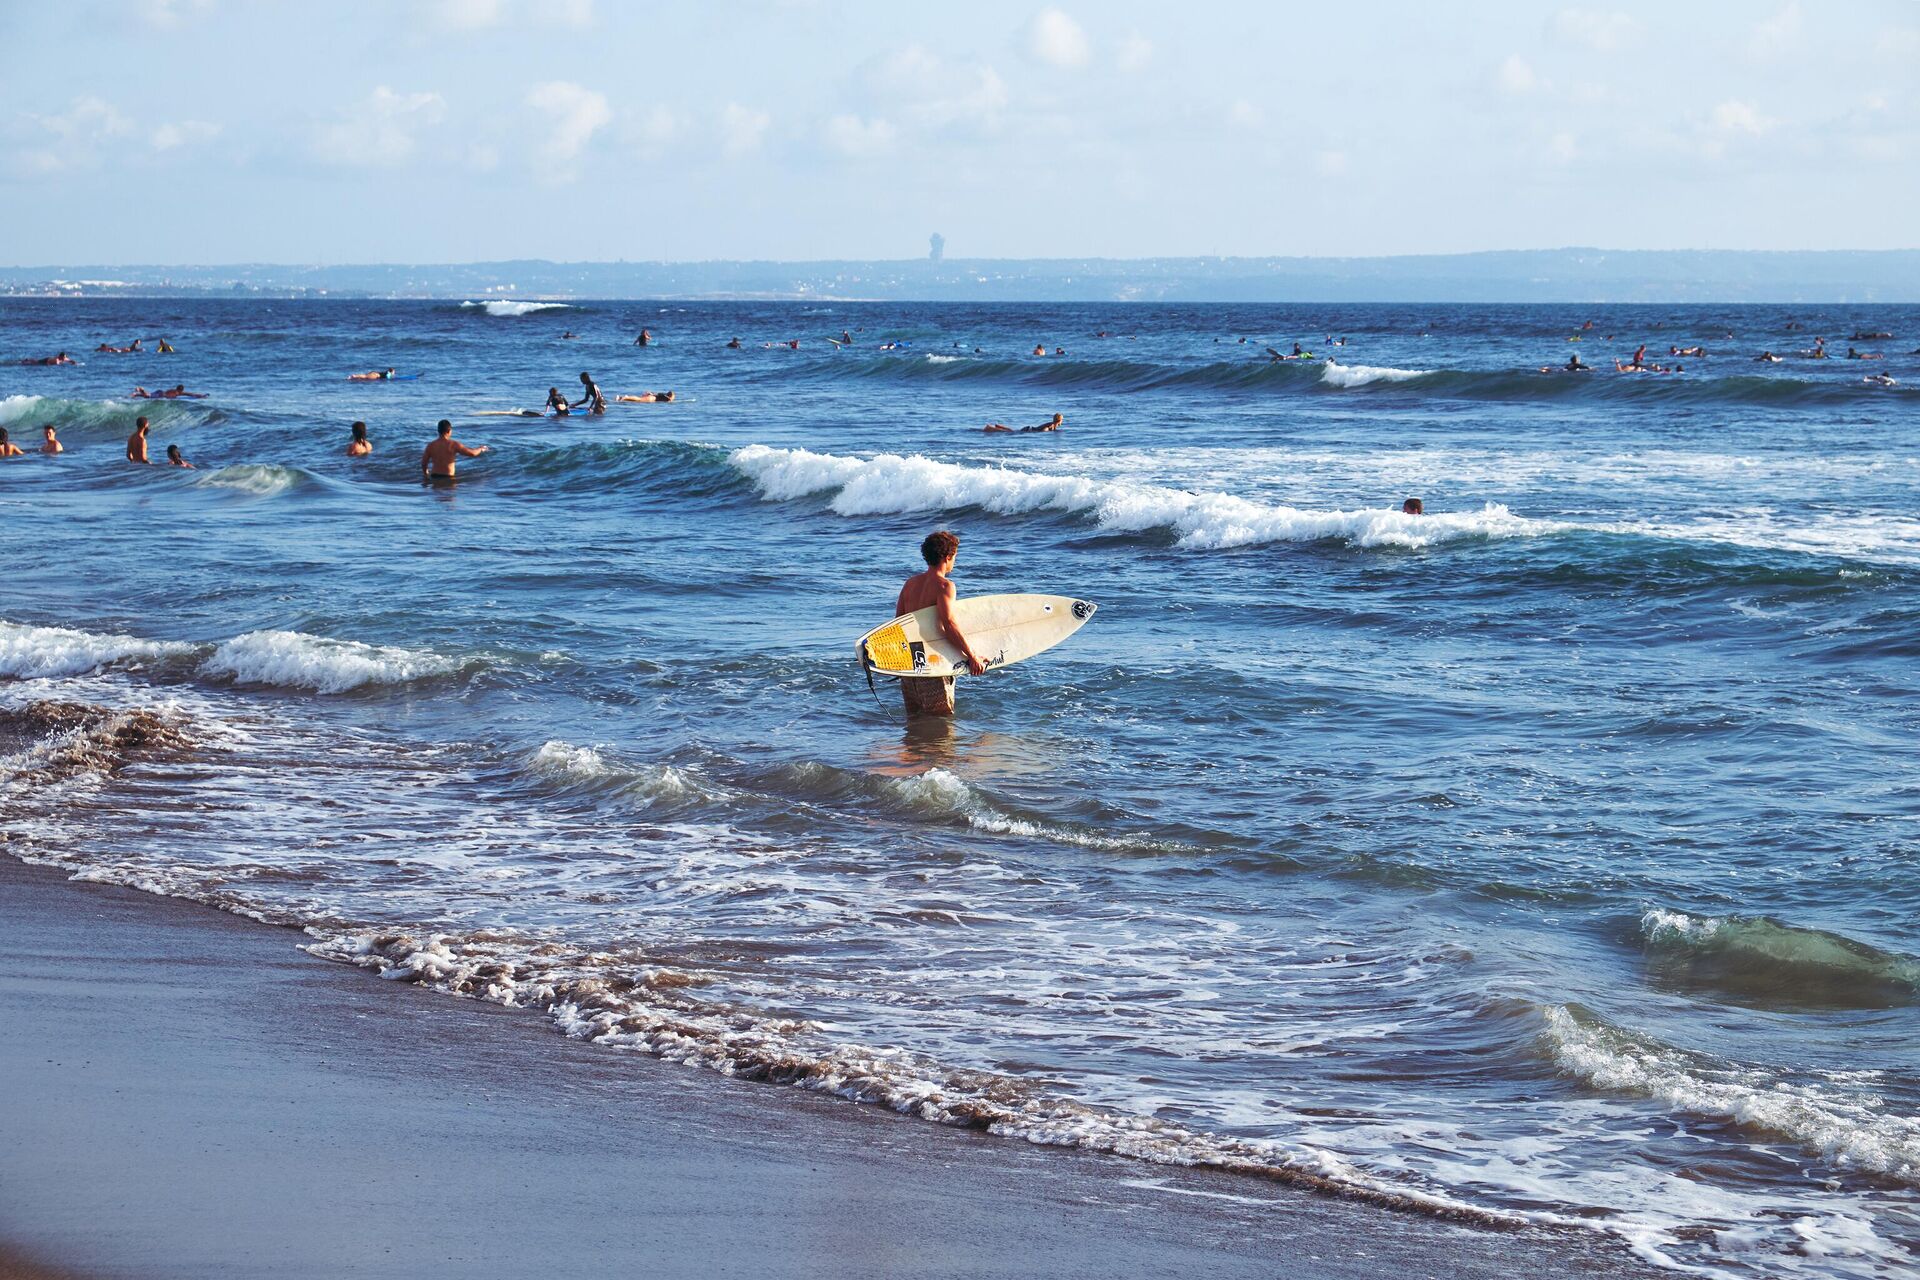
{"points": [[1516, 75], [574, 114], [170, 137], [857, 137], [482, 158], [382, 130], [171, 13], [1603, 32], [1735, 116], [566, 13], [1563, 147], [1778, 34], [1332, 163], [1245, 115], [742, 128], [1136, 51], [650, 133], [926, 91], [1058, 39], [468, 15], [1899, 43]]}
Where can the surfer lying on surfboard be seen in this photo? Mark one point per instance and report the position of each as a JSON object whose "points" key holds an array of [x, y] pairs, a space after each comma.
{"points": [[1054, 425], [372, 375]]}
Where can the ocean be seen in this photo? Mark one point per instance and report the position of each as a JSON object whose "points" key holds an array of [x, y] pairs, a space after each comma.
{"points": [[1548, 857]]}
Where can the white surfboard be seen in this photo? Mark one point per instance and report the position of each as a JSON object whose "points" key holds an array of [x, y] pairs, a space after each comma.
{"points": [[1002, 629]]}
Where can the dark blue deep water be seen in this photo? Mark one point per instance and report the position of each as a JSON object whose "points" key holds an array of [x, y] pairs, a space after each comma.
{"points": [[1552, 853]]}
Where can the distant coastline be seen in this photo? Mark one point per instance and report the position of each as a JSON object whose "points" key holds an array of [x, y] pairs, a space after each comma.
{"points": [[1567, 276]]}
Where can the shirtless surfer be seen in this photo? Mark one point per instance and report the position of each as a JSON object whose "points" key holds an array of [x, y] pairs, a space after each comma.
{"points": [[597, 403], [359, 446], [174, 458], [8, 449], [137, 442], [444, 452], [52, 443], [931, 695]]}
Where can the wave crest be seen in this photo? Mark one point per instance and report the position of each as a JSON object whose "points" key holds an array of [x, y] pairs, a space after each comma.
{"points": [[1762, 957], [891, 484], [293, 659], [503, 308], [30, 653]]}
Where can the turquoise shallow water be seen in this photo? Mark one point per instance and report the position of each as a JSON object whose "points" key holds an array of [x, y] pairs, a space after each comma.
{"points": [[1548, 855]]}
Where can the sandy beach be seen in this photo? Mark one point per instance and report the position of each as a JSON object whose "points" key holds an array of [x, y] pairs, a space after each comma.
{"points": [[189, 1095]]}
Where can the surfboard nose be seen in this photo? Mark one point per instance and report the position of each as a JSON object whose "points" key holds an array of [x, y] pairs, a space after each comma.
{"points": [[1084, 609]]}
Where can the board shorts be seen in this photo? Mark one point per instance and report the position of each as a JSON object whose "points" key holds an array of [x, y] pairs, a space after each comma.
{"points": [[927, 696]]}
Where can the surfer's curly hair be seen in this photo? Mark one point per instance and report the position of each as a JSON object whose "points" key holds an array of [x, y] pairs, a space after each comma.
{"points": [[939, 546]]}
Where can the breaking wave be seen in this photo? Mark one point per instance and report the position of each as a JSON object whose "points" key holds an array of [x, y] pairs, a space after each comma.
{"points": [[1762, 957], [890, 483], [503, 308], [295, 660], [29, 652], [1850, 1129]]}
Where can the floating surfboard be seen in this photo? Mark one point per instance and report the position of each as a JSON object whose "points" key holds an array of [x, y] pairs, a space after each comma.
{"points": [[507, 413], [1002, 629]]}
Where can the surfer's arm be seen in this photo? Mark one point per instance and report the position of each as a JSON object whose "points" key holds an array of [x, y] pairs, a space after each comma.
{"points": [[468, 451], [950, 627]]}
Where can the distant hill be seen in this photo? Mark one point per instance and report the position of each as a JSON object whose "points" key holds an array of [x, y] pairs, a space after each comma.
{"points": [[1558, 275]]}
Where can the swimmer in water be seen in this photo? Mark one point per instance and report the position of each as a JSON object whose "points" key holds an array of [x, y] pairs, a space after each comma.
{"points": [[1058, 420], [8, 449], [51, 444], [734, 345], [137, 443], [443, 454], [557, 403], [1767, 357], [165, 348], [644, 340], [1039, 348], [1413, 507], [359, 446], [175, 460]]}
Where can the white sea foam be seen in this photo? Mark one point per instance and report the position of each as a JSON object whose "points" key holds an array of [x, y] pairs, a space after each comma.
{"points": [[1360, 375], [503, 308], [28, 652], [647, 783], [890, 483], [1850, 1129], [933, 359], [263, 480], [944, 794], [295, 660]]}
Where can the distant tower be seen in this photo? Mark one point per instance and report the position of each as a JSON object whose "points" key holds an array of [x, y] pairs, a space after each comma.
{"points": [[936, 247]]}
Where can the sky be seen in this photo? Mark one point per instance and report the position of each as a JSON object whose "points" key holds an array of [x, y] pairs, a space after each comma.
{"points": [[350, 131]]}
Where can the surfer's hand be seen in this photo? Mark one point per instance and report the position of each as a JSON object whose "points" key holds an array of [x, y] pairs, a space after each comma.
{"points": [[976, 666]]}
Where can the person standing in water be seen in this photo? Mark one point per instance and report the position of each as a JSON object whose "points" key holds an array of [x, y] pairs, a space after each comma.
{"points": [[359, 446], [592, 397], [8, 449], [929, 695], [444, 453], [175, 460], [137, 443], [52, 443], [644, 340]]}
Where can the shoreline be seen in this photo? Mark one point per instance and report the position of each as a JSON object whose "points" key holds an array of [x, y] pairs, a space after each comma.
{"points": [[194, 1096]]}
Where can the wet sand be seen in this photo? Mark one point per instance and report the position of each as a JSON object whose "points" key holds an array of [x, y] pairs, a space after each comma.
{"points": [[188, 1095]]}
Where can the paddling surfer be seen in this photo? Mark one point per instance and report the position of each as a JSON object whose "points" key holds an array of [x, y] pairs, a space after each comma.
{"points": [[444, 453], [930, 695]]}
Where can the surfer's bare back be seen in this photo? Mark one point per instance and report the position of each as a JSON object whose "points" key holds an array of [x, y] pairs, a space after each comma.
{"points": [[927, 695]]}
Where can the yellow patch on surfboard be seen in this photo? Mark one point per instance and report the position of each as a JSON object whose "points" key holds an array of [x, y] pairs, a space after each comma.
{"points": [[1002, 629]]}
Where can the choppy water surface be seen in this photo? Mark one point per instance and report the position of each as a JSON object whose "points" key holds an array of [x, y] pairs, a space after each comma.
{"points": [[1551, 855]]}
